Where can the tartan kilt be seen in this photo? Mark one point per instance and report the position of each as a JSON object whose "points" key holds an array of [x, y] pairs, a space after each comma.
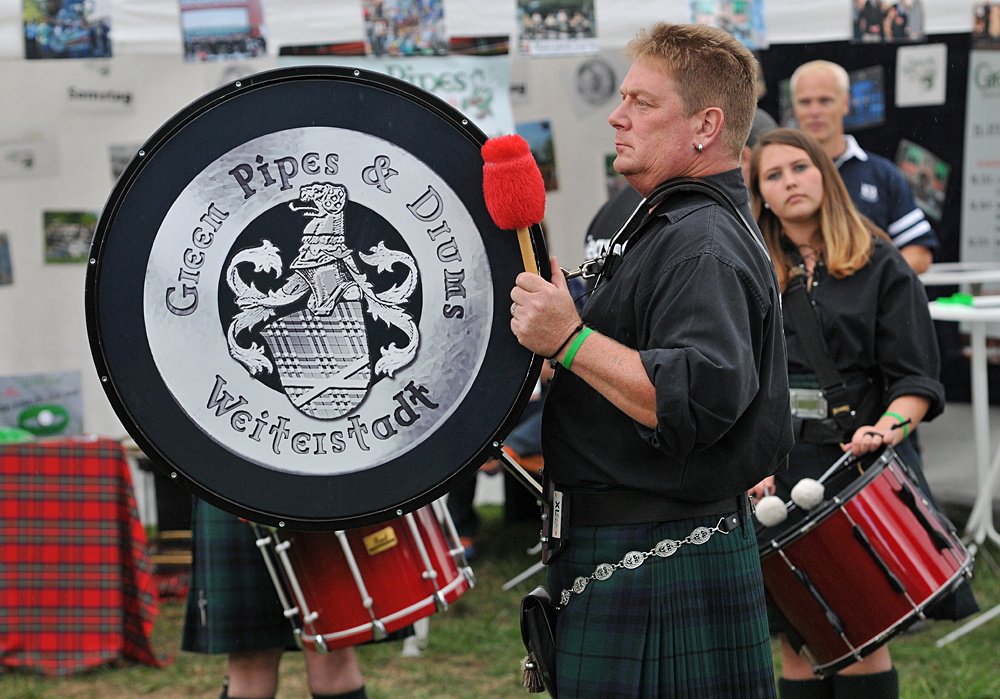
{"points": [[229, 579], [690, 626]]}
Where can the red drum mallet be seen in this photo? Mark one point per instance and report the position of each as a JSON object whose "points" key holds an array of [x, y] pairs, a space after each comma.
{"points": [[514, 190]]}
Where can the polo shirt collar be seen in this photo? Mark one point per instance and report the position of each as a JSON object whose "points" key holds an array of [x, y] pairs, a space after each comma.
{"points": [[853, 151]]}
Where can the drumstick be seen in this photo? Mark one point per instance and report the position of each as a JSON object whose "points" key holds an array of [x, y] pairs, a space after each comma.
{"points": [[514, 190]]}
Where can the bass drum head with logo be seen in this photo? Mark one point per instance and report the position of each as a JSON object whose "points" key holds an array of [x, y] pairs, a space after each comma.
{"points": [[299, 305]]}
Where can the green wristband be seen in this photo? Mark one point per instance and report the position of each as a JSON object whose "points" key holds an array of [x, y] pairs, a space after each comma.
{"points": [[571, 352], [906, 428]]}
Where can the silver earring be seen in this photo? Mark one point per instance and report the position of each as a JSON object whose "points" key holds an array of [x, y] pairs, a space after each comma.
{"points": [[700, 148], [766, 205]]}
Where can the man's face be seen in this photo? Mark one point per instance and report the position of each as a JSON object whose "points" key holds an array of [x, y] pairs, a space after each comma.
{"points": [[820, 106], [654, 137]]}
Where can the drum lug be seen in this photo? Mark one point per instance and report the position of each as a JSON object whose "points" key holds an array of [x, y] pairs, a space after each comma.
{"points": [[440, 603], [298, 639], [321, 646], [458, 557], [378, 631], [469, 576]]}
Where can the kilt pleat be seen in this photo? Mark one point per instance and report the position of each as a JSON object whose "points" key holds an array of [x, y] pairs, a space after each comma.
{"points": [[232, 604], [690, 626]]}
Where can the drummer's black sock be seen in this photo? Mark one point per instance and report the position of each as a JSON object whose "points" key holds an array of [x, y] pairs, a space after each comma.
{"points": [[805, 689], [356, 694], [880, 685]]}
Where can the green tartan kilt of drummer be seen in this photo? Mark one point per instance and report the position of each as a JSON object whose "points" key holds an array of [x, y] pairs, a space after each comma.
{"points": [[232, 604], [690, 626]]}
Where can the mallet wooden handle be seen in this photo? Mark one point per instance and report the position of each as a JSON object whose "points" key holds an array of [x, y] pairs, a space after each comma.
{"points": [[527, 250]]}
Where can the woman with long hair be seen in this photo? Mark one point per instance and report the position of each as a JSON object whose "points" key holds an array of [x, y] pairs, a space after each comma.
{"points": [[874, 319]]}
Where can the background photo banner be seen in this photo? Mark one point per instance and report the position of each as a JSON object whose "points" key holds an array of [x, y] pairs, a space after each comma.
{"points": [[477, 86]]}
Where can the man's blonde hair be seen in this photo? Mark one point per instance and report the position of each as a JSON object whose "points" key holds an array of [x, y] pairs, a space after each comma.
{"points": [[709, 69], [838, 72]]}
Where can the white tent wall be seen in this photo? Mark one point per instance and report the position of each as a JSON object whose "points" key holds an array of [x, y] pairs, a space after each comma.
{"points": [[42, 312]]}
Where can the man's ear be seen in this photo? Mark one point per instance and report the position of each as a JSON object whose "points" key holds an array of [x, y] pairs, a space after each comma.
{"points": [[846, 106], [709, 125]]}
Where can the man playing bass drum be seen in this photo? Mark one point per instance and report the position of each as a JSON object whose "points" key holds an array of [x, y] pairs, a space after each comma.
{"points": [[672, 401]]}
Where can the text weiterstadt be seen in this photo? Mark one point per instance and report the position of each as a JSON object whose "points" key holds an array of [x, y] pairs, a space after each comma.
{"points": [[412, 402]]}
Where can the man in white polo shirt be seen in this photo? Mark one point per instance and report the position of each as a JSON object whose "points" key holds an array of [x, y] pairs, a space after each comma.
{"points": [[821, 94]]}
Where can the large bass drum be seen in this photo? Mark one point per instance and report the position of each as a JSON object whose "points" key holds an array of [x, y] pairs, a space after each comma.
{"points": [[298, 303]]}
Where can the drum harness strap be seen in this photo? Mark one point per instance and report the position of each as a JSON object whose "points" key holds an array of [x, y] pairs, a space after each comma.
{"points": [[604, 267], [843, 400]]}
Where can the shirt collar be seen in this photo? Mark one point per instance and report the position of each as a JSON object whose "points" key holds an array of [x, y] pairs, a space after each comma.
{"points": [[731, 181], [853, 151]]}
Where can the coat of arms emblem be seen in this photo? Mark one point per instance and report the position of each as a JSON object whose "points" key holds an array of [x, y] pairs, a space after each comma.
{"points": [[321, 350]]}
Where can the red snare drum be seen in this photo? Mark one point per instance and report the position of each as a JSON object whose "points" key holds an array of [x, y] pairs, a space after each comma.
{"points": [[348, 587], [863, 565]]}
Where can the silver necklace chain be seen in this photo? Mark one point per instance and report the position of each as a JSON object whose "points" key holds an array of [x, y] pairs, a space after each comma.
{"points": [[634, 559]]}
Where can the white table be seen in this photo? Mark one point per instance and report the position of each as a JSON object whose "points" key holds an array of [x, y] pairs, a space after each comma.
{"points": [[980, 524], [946, 273], [975, 274]]}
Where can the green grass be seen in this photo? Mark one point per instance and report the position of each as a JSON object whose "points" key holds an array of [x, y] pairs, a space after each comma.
{"points": [[475, 649]]}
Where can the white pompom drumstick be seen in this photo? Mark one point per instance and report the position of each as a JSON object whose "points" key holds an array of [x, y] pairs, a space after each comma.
{"points": [[808, 493], [770, 511]]}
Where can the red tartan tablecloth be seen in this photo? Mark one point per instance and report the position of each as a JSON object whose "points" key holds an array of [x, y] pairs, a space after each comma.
{"points": [[75, 583]]}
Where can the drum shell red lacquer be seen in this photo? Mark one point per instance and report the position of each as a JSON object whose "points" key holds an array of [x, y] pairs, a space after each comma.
{"points": [[394, 577], [848, 577]]}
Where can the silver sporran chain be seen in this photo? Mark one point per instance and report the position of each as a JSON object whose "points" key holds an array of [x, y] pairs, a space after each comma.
{"points": [[634, 559]]}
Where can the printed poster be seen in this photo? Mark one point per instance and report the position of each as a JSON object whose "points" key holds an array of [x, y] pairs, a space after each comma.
{"points": [[6, 267], [927, 175], [986, 26], [921, 75], [538, 134], [477, 86], [867, 99], [68, 235], [27, 151], [404, 27], [980, 234], [887, 21], [47, 405], [213, 30], [67, 29], [120, 154], [744, 19], [556, 28]]}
